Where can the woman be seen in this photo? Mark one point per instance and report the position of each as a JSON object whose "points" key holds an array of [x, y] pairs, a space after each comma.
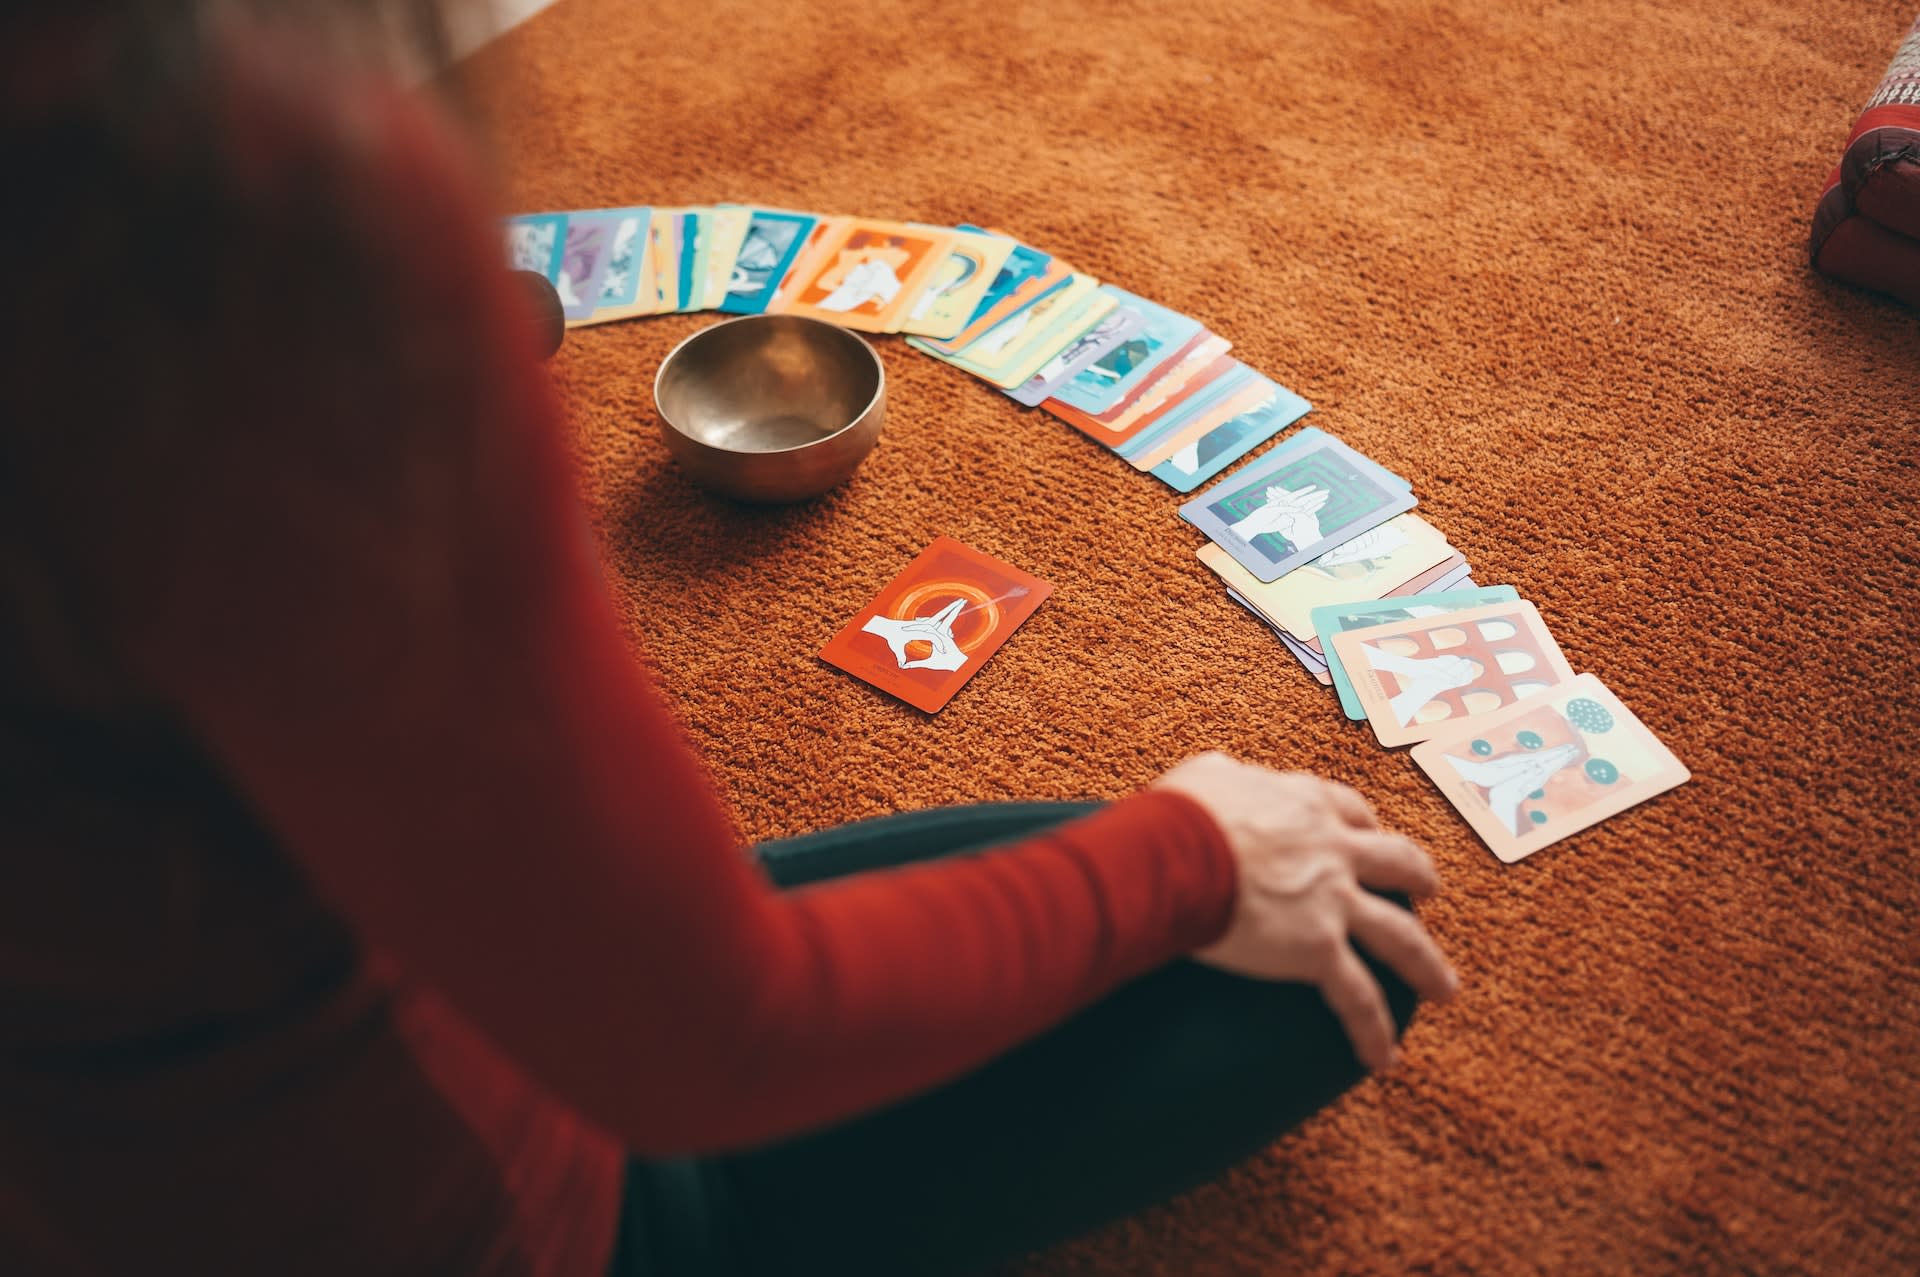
{"points": [[361, 908]]}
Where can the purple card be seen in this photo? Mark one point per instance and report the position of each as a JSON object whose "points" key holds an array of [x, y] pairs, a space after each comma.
{"points": [[1296, 503], [583, 264]]}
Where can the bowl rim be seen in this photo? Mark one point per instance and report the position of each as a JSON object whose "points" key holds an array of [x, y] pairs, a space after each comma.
{"points": [[879, 384]]}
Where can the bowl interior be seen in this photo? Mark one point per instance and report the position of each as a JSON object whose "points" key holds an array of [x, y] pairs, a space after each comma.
{"points": [[767, 383]]}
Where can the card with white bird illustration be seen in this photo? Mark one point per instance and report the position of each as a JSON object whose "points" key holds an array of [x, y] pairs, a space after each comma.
{"points": [[1301, 500], [1417, 678], [936, 623], [1548, 766]]}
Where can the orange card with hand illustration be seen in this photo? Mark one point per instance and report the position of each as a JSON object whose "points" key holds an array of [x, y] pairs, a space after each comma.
{"points": [[865, 274], [935, 624]]}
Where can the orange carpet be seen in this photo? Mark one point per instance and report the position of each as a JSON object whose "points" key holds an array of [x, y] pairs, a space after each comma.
{"points": [[1547, 260]]}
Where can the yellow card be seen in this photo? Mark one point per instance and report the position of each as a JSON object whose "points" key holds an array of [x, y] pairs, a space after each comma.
{"points": [[1368, 567], [727, 233], [955, 290]]}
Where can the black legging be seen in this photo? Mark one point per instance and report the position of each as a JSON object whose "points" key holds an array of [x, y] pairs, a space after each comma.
{"points": [[1158, 1087]]}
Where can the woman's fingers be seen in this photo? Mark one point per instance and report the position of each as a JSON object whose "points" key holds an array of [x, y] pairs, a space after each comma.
{"points": [[1348, 805], [1395, 937], [1391, 862], [1357, 1002]]}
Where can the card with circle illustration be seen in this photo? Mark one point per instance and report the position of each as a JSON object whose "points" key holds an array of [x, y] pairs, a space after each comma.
{"points": [[1417, 678], [936, 623], [1550, 765]]}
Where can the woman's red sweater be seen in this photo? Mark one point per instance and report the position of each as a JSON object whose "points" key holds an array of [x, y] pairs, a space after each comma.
{"points": [[361, 905]]}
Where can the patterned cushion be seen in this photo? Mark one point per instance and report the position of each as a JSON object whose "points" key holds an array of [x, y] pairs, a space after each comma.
{"points": [[1866, 229]]}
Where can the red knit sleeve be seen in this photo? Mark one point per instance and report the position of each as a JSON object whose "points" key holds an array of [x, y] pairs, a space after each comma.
{"points": [[369, 590]]}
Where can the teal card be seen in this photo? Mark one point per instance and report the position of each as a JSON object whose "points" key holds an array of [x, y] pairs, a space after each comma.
{"points": [[1330, 620]]}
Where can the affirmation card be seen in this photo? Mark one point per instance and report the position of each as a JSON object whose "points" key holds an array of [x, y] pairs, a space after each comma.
{"points": [[725, 235], [1118, 326], [935, 624], [623, 288], [535, 242], [773, 239], [1013, 350], [864, 274], [1201, 459], [1027, 276], [1549, 766], [1237, 380], [1162, 333], [1418, 678], [947, 304], [1370, 613], [1370, 566], [1120, 422], [1302, 499]]}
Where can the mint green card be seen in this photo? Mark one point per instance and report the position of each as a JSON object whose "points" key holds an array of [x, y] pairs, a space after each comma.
{"points": [[1329, 620]]}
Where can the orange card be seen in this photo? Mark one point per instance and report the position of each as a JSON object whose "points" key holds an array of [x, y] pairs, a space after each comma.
{"points": [[1551, 765], [865, 274], [936, 623], [1419, 678]]}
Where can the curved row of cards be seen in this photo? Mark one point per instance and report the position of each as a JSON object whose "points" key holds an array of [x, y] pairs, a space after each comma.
{"points": [[1318, 541]]}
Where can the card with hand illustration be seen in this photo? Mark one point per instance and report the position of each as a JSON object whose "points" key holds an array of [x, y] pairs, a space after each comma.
{"points": [[1368, 614], [865, 273], [1548, 766], [947, 304], [1417, 678], [936, 623], [1367, 567], [1301, 500]]}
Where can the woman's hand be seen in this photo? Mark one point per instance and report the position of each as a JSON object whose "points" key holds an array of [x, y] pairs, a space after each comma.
{"points": [[1308, 849]]}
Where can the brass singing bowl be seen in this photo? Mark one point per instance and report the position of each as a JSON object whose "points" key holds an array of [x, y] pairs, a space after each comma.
{"points": [[771, 408]]}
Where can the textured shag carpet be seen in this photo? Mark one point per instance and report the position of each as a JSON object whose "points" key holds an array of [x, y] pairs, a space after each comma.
{"points": [[1547, 260]]}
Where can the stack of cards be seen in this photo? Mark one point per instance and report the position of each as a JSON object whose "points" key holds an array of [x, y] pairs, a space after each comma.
{"points": [[1318, 541], [1321, 544], [1151, 384]]}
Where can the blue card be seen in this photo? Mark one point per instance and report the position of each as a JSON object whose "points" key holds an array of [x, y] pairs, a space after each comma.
{"points": [[537, 242], [1330, 620], [1200, 459], [1234, 380], [774, 239], [692, 253], [1104, 383]]}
